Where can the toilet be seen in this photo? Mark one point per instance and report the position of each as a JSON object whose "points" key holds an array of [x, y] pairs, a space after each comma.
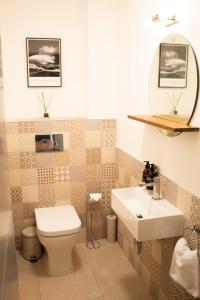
{"points": [[58, 230]]}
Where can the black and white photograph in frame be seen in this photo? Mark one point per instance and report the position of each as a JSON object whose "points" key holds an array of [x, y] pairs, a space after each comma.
{"points": [[44, 62], [173, 64]]}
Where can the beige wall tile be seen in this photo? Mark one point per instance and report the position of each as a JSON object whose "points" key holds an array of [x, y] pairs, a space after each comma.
{"points": [[107, 171], [93, 155], [146, 275], [94, 187], [12, 141], [44, 126], [156, 251], [13, 160], [77, 139], [12, 127], [93, 124], [108, 137], [26, 142], [29, 222], [133, 181], [77, 173], [108, 155], [169, 189], [78, 195], [15, 177], [16, 194], [17, 208], [27, 160], [44, 160], [45, 175], [125, 247], [111, 124], [93, 172], [93, 139], [184, 201], [60, 125], [77, 124], [29, 177], [62, 191], [46, 195], [63, 202], [61, 174], [61, 158], [77, 157], [66, 140], [26, 126], [30, 194], [29, 210], [195, 211], [106, 188], [121, 176]]}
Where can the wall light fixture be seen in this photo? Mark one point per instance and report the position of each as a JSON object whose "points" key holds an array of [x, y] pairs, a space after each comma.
{"points": [[167, 21]]}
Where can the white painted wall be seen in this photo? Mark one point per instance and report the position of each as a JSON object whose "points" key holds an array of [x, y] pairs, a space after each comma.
{"points": [[65, 19], [178, 157], [106, 56]]}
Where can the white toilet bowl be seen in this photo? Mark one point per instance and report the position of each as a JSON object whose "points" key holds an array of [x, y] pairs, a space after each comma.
{"points": [[58, 230]]}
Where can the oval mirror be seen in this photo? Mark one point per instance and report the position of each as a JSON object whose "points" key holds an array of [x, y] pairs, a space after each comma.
{"points": [[173, 81]]}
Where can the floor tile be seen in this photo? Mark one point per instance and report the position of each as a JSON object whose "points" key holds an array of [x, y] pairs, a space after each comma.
{"points": [[80, 285], [107, 250], [99, 274], [29, 288], [127, 296], [117, 276]]}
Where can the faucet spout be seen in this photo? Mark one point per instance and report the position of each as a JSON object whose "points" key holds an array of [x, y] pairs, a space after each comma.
{"points": [[156, 188]]}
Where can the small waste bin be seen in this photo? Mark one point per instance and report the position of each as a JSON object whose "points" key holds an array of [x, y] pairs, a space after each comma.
{"points": [[32, 249]]}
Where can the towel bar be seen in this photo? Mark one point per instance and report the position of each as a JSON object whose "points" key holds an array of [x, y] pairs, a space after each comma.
{"points": [[196, 230]]}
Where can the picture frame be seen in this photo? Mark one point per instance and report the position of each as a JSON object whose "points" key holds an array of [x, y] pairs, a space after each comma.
{"points": [[173, 65], [43, 62]]}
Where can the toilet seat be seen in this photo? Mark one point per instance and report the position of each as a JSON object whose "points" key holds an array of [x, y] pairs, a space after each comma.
{"points": [[57, 221]]}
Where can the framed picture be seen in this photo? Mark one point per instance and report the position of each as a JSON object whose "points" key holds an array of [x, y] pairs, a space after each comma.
{"points": [[173, 64], [43, 62]]}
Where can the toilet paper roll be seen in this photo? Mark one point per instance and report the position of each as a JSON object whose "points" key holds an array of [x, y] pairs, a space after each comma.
{"points": [[95, 197], [111, 228]]}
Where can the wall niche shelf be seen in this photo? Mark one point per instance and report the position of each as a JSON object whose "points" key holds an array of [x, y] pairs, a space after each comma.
{"points": [[163, 123]]}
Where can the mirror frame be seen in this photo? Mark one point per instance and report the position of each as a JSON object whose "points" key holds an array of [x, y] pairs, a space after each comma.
{"points": [[168, 133]]}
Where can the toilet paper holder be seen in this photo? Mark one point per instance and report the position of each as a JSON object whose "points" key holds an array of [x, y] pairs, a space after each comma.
{"points": [[91, 242]]}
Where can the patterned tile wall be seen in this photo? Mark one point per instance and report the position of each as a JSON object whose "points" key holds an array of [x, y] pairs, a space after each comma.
{"points": [[154, 262], [87, 164], [90, 162]]}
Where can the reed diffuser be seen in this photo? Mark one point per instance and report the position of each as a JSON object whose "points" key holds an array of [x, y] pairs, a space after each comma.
{"points": [[45, 104], [174, 102]]}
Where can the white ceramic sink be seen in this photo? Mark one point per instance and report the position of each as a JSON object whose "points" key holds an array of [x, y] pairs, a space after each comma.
{"points": [[160, 219]]}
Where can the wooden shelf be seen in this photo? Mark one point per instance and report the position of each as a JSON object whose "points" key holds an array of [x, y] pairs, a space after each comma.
{"points": [[163, 123]]}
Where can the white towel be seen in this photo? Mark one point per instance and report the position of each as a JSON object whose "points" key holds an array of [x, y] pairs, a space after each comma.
{"points": [[185, 267]]}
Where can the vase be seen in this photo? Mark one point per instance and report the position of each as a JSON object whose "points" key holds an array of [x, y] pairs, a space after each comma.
{"points": [[46, 115]]}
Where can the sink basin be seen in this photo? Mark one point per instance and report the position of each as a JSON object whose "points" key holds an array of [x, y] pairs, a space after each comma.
{"points": [[159, 218]]}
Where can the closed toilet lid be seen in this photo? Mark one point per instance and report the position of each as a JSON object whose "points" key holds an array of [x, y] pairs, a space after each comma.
{"points": [[57, 221]]}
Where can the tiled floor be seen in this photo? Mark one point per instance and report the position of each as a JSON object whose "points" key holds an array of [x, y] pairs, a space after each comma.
{"points": [[101, 274]]}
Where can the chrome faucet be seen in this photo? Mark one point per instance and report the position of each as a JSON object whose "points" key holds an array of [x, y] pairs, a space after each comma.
{"points": [[156, 188]]}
